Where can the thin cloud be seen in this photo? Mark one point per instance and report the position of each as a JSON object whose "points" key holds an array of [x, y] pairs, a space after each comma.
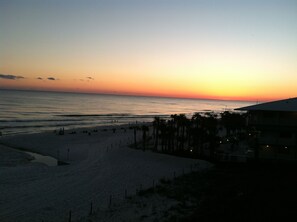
{"points": [[40, 78], [51, 78], [91, 78], [11, 77]]}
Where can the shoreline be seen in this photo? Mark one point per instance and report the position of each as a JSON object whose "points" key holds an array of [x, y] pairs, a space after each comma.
{"points": [[93, 129], [56, 128]]}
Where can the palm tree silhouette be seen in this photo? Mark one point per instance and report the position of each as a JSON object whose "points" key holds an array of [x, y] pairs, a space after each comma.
{"points": [[145, 129], [156, 125]]}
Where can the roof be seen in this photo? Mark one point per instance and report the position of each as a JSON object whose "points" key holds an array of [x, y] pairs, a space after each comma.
{"points": [[286, 105]]}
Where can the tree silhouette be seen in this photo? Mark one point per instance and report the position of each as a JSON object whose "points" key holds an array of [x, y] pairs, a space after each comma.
{"points": [[192, 137], [145, 129], [197, 133], [232, 122], [156, 125]]}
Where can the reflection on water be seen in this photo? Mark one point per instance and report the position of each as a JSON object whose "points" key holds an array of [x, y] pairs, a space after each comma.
{"points": [[48, 160]]}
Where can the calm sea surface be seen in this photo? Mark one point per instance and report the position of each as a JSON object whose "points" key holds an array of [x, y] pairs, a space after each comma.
{"points": [[28, 111]]}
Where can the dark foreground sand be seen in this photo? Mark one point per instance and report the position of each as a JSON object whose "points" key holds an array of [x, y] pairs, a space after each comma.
{"points": [[264, 192], [227, 192]]}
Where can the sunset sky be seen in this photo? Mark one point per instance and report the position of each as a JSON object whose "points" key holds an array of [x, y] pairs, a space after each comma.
{"points": [[222, 49]]}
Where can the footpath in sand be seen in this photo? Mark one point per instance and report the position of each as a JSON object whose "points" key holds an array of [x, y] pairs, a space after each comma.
{"points": [[101, 169]]}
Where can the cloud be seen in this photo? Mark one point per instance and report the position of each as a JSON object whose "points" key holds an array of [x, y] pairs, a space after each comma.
{"points": [[40, 78], [11, 77], [91, 78], [51, 78]]}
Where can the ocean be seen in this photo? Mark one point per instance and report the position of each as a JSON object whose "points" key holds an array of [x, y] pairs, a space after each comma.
{"points": [[33, 111]]}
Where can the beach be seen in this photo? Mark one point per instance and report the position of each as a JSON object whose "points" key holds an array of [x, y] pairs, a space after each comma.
{"points": [[100, 169]]}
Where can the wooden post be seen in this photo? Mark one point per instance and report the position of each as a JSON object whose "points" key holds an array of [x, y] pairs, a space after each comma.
{"points": [[295, 138], [91, 210], [58, 154], [69, 220], [135, 144], [110, 200]]}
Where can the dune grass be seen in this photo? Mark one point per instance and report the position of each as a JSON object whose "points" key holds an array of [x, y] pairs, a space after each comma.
{"points": [[232, 192]]}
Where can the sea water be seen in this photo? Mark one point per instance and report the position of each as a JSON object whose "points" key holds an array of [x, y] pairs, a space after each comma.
{"points": [[34, 111]]}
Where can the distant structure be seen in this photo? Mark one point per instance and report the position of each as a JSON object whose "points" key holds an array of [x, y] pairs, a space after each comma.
{"points": [[273, 129]]}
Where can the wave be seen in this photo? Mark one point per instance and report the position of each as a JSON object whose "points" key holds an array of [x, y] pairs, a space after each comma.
{"points": [[36, 120], [82, 117], [53, 125], [74, 120], [126, 115], [95, 115]]}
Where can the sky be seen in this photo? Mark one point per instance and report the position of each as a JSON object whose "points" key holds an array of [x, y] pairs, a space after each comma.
{"points": [[213, 49]]}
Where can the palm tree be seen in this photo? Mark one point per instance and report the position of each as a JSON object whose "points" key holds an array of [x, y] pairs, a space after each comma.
{"points": [[184, 124], [180, 124], [197, 133], [232, 121], [211, 126], [145, 129], [135, 136], [174, 131], [156, 125], [163, 134]]}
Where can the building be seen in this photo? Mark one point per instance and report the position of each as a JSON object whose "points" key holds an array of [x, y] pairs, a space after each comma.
{"points": [[273, 128]]}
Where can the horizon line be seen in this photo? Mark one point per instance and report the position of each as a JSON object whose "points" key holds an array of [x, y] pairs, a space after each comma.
{"points": [[130, 94]]}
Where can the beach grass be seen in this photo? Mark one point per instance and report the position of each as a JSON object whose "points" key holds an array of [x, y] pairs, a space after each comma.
{"points": [[233, 192], [225, 192]]}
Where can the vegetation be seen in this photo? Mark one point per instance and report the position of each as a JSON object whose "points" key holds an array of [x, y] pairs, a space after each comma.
{"points": [[183, 136], [230, 192]]}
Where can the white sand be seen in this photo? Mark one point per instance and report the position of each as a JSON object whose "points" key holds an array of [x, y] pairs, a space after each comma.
{"points": [[101, 165]]}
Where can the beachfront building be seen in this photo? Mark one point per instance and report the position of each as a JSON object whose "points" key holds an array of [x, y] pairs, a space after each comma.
{"points": [[273, 129]]}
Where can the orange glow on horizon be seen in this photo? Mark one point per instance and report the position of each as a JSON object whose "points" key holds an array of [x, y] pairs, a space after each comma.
{"points": [[157, 89]]}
